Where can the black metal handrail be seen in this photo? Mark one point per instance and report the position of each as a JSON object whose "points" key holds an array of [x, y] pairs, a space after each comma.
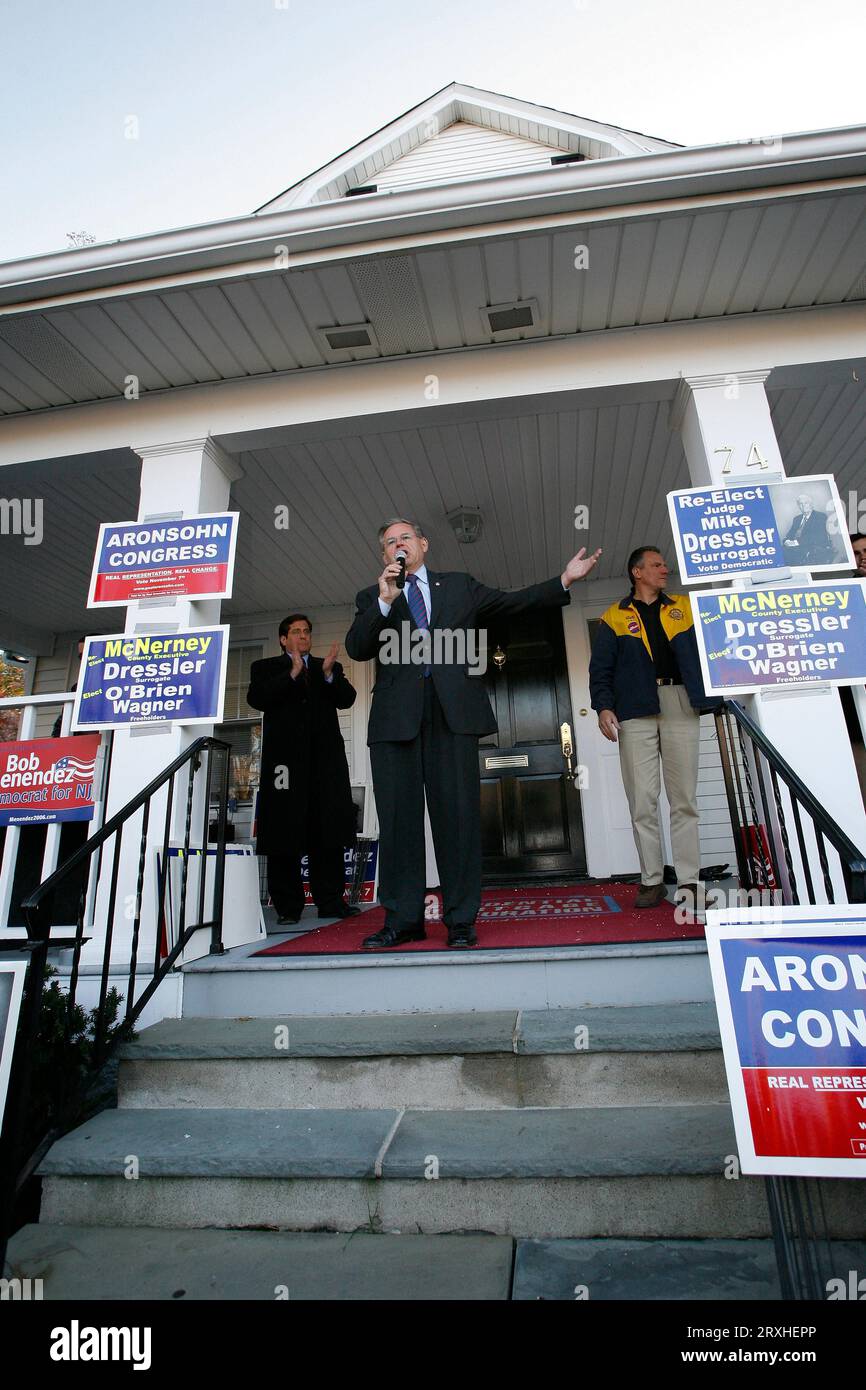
{"points": [[760, 859], [17, 1156]]}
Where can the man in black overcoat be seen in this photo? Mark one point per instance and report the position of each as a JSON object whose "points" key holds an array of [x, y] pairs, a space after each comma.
{"points": [[425, 723], [305, 800]]}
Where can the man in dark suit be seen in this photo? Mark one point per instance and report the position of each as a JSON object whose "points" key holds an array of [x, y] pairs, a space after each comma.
{"points": [[806, 542], [305, 800], [427, 717]]}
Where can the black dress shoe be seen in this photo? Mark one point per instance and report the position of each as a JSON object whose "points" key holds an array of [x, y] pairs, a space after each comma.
{"points": [[461, 937], [393, 936], [339, 910], [287, 921]]}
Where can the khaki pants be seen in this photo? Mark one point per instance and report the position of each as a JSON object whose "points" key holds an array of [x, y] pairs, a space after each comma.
{"points": [[672, 736]]}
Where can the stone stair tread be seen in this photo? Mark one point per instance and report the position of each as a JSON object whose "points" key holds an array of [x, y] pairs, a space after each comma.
{"points": [[145, 1263], [639, 1028], [685, 1140], [219, 1143], [612, 1141], [637, 1270]]}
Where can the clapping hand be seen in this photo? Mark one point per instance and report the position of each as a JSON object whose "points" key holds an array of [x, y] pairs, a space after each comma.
{"points": [[291, 650], [328, 664]]}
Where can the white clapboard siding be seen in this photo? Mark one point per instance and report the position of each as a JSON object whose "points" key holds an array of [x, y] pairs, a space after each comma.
{"points": [[717, 840], [52, 674], [464, 151]]}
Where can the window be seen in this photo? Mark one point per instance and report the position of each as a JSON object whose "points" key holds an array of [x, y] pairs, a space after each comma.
{"points": [[240, 660]]}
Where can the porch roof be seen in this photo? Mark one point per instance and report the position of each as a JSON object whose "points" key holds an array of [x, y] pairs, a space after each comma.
{"points": [[526, 466], [669, 235]]}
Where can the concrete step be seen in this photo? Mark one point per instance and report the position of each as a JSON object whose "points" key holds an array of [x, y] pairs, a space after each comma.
{"points": [[240, 984], [83, 1263], [643, 1055], [681, 1270], [625, 1172]]}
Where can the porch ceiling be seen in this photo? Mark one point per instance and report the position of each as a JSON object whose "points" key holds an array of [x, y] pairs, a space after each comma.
{"points": [[774, 252], [526, 470]]}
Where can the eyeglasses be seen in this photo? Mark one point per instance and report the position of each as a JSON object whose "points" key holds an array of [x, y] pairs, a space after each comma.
{"points": [[401, 540]]}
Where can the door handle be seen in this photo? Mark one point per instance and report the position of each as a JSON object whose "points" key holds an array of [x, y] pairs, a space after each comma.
{"points": [[566, 745]]}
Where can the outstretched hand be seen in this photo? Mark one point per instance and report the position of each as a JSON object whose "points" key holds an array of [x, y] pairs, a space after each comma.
{"points": [[579, 566]]}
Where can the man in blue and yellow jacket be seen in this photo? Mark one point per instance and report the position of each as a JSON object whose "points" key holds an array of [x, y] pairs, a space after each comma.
{"points": [[645, 684]]}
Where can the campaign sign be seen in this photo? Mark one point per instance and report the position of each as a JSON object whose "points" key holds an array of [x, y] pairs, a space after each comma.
{"points": [[790, 989], [752, 528], [367, 894], [159, 559], [47, 779], [806, 634], [143, 678]]}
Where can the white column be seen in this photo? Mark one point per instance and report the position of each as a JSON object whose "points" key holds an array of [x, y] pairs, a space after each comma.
{"points": [[726, 425], [177, 480]]}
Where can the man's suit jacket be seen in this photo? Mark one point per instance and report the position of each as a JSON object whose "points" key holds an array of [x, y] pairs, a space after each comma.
{"points": [[458, 603], [811, 536]]}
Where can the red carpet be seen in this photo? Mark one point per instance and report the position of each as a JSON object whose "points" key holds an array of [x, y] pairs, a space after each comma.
{"points": [[587, 914]]}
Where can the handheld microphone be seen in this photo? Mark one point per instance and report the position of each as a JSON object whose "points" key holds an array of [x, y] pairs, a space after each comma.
{"points": [[400, 557]]}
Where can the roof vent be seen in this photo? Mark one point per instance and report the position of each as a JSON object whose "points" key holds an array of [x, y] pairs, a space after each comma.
{"points": [[514, 319], [350, 340], [361, 189], [567, 158]]}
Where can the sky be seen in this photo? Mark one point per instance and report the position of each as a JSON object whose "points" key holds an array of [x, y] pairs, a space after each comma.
{"points": [[231, 101]]}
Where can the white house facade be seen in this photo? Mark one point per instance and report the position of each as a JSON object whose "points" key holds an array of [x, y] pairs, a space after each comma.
{"points": [[487, 306]]}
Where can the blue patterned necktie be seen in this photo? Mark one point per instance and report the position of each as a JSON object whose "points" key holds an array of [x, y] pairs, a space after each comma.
{"points": [[417, 608]]}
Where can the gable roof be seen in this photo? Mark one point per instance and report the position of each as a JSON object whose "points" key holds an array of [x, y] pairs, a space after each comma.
{"points": [[458, 133]]}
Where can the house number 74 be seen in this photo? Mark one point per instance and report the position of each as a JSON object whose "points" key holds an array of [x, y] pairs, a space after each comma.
{"points": [[755, 460]]}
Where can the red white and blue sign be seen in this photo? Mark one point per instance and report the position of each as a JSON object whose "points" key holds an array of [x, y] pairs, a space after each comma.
{"points": [[192, 557], [152, 678], [368, 887], [790, 987], [47, 779]]}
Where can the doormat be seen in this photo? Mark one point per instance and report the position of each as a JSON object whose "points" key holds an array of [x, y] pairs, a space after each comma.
{"points": [[588, 914]]}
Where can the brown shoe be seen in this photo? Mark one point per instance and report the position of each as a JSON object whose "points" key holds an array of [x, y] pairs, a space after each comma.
{"points": [[650, 895]]}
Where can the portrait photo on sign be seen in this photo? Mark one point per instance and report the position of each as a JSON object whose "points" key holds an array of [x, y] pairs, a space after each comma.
{"points": [[811, 523]]}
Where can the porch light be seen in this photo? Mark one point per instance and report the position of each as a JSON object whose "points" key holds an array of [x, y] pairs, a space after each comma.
{"points": [[466, 523]]}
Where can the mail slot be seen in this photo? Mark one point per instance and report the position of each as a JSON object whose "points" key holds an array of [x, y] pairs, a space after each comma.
{"points": [[509, 760]]}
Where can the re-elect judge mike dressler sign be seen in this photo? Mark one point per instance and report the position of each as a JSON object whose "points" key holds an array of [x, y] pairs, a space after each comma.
{"points": [[152, 678], [755, 528], [803, 634]]}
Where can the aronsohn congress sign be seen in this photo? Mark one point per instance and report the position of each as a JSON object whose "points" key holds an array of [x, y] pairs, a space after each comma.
{"points": [[790, 987], [194, 556]]}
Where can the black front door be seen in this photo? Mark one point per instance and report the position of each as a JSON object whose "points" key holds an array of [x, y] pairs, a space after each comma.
{"points": [[530, 808]]}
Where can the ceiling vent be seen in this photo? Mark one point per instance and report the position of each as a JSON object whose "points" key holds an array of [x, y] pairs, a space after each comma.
{"points": [[348, 341], [511, 320]]}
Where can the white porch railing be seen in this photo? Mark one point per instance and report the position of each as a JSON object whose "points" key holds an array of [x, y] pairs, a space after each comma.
{"points": [[30, 706]]}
